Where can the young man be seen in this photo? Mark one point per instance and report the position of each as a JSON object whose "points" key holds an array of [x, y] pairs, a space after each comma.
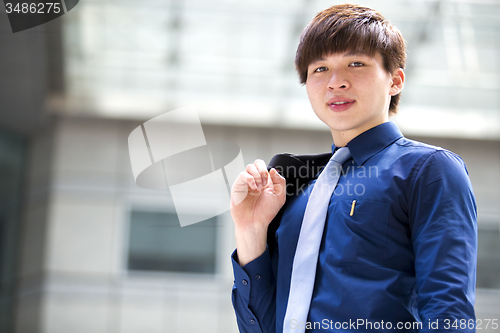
{"points": [[396, 249]]}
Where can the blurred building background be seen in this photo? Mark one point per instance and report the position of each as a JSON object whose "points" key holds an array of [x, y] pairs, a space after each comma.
{"points": [[83, 249]]}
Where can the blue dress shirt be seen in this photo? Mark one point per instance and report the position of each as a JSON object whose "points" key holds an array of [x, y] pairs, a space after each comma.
{"points": [[405, 260]]}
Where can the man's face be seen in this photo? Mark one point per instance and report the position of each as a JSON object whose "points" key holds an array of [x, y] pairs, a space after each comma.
{"points": [[351, 92]]}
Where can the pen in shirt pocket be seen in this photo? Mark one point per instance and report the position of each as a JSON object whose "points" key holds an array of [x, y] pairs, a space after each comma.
{"points": [[352, 207]]}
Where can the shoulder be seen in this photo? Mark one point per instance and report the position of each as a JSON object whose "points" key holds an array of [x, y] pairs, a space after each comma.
{"points": [[427, 156], [421, 148], [438, 175], [439, 186]]}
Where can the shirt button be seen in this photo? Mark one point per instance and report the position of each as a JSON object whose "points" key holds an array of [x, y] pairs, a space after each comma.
{"points": [[244, 282], [257, 277], [252, 321]]}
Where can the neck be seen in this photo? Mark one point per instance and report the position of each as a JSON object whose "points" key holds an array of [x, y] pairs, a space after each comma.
{"points": [[341, 138]]}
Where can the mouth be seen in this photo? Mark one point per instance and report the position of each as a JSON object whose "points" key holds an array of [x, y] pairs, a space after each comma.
{"points": [[340, 104]]}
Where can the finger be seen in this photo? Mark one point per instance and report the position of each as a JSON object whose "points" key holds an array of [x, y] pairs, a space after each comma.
{"points": [[276, 177], [278, 182], [252, 170], [243, 182], [240, 187], [262, 168]]}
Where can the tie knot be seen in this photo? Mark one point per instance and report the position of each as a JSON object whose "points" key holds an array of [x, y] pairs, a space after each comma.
{"points": [[341, 155]]}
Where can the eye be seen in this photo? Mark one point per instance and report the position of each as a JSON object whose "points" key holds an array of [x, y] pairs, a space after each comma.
{"points": [[320, 69], [356, 64]]}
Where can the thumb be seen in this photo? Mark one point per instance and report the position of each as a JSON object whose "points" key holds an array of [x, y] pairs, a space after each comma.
{"points": [[276, 178], [279, 182]]}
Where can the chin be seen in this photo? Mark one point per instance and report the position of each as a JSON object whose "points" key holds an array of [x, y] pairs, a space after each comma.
{"points": [[341, 126]]}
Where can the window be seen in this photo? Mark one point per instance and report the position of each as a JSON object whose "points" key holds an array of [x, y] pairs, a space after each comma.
{"points": [[157, 242]]}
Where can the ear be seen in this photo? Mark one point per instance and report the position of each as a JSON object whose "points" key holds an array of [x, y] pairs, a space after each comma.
{"points": [[398, 81]]}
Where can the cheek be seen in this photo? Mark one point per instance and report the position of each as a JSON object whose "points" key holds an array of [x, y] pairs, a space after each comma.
{"points": [[313, 90], [384, 80], [376, 86]]}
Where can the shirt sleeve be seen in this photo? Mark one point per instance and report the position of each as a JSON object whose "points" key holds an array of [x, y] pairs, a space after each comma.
{"points": [[254, 295], [443, 221]]}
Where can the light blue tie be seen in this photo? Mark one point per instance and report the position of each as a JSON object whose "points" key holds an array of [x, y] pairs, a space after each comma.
{"points": [[311, 232]]}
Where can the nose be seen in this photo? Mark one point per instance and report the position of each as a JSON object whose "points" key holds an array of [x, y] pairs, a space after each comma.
{"points": [[337, 81]]}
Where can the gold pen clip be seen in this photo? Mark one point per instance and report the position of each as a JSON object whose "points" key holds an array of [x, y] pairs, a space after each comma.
{"points": [[352, 207]]}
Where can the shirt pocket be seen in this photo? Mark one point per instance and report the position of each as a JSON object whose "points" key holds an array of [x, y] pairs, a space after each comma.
{"points": [[359, 238]]}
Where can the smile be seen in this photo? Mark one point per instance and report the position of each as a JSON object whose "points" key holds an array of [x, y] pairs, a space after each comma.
{"points": [[340, 105]]}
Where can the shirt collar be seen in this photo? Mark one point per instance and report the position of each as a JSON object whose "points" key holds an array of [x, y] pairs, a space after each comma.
{"points": [[372, 141]]}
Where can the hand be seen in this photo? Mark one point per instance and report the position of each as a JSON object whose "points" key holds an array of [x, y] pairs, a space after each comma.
{"points": [[256, 197]]}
